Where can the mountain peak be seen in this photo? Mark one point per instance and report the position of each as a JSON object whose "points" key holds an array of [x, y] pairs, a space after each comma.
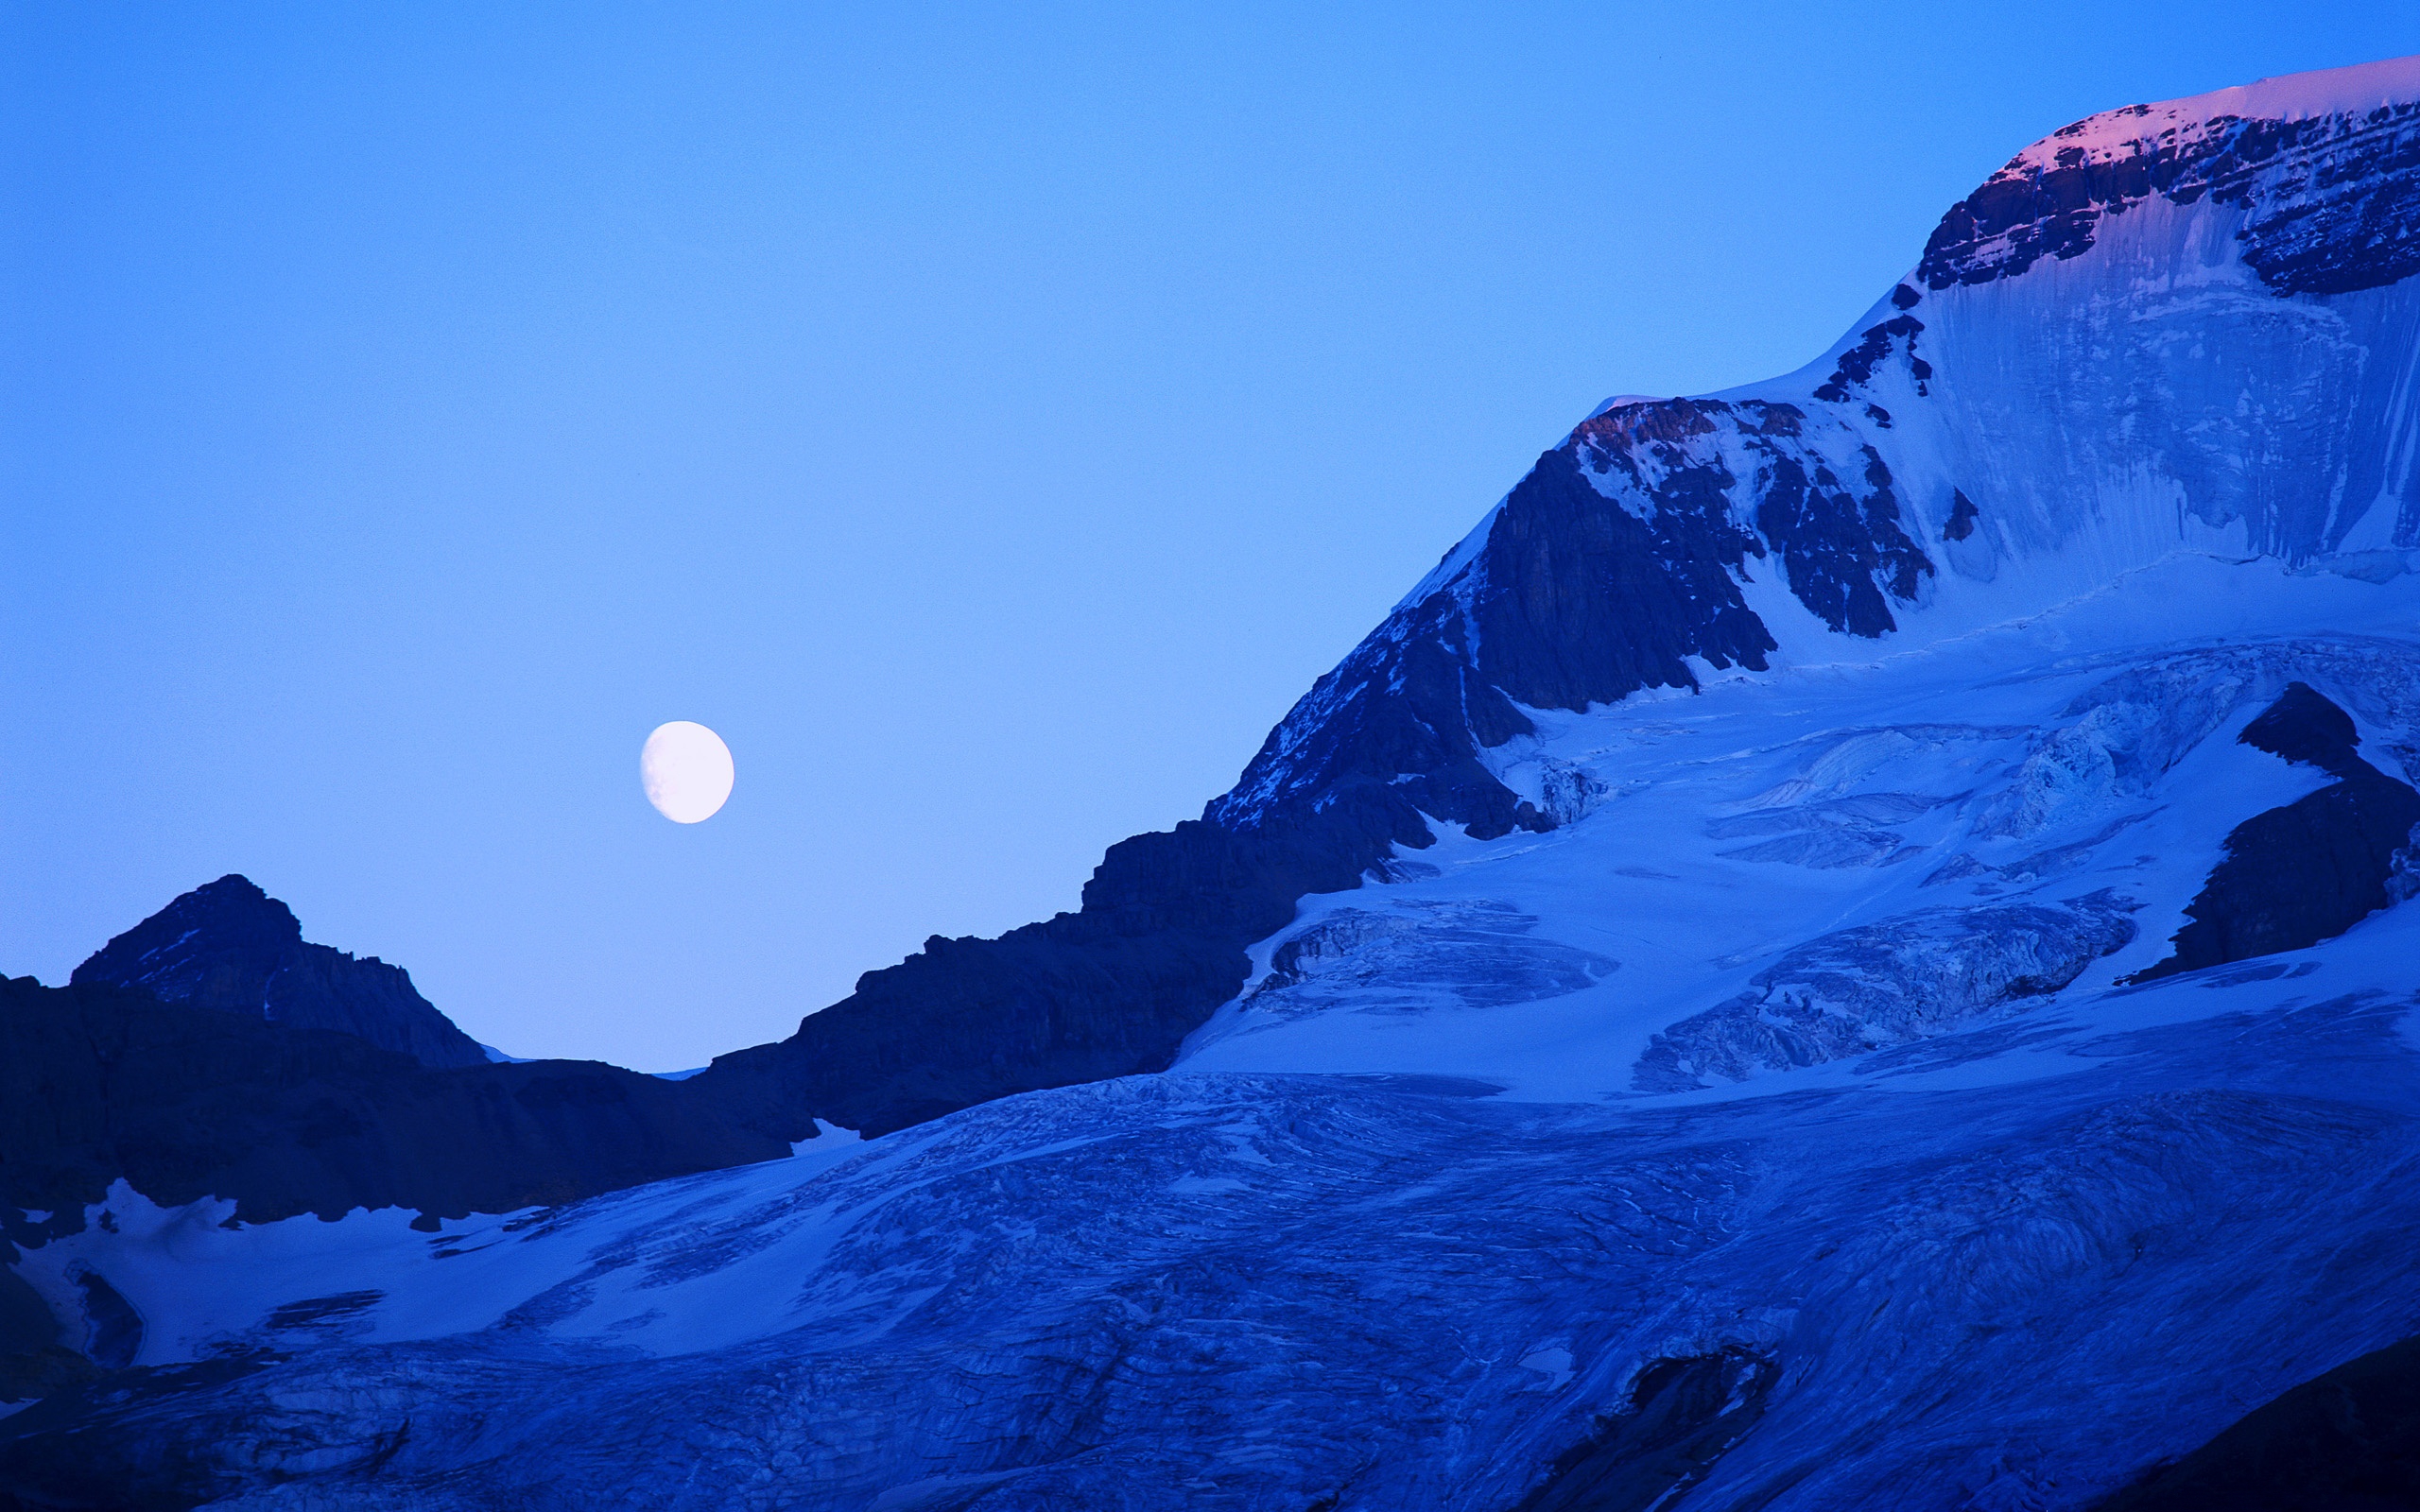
{"points": [[2320, 92], [229, 946], [2320, 167]]}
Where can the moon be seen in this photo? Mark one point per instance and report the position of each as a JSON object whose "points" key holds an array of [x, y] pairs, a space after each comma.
{"points": [[686, 771]]}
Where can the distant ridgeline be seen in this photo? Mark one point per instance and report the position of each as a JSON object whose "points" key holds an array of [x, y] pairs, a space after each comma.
{"points": [[1952, 460], [210, 1052], [230, 946], [2042, 1194]]}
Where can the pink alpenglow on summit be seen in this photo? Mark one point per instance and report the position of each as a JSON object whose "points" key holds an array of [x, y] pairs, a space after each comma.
{"points": [[1850, 946]]}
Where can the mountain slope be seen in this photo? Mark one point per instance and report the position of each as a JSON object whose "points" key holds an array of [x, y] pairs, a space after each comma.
{"points": [[210, 1052], [231, 947], [104, 1085], [2182, 327], [2017, 1269], [1847, 948]]}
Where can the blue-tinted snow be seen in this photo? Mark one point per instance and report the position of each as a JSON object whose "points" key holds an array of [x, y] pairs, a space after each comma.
{"points": [[1412, 1215], [1391, 1202]]}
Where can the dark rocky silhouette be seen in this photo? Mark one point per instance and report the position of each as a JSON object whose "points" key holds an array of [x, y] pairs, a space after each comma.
{"points": [[1574, 597], [1874, 344], [2346, 1441], [2311, 870], [1105, 992], [2303, 727], [230, 945], [99, 1083]]}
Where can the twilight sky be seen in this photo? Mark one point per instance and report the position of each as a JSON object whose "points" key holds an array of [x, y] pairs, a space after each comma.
{"points": [[988, 419]]}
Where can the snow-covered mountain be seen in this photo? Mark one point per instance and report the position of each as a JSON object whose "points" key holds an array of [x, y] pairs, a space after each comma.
{"points": [[1843, 949]]}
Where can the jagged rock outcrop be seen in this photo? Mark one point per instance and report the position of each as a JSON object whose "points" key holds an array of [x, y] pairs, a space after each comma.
{"points": [[1433, 1233], [1680, 1417], [2330, 198], [1106, 991], [227, 945], [1996, 411], [2311, 870]]}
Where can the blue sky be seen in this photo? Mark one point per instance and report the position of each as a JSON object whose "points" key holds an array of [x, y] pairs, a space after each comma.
{"points": [[989, 420]]}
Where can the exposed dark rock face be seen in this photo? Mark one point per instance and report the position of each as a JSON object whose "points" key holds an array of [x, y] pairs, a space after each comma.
{"points": [[1611, 564], [1963, 515], [1108, 992], [115, 1327], [32, 1374], [2305, 729], [1844, 553], [33, 1363], [2334, 201], [1683, 1414], [1874, 344], [230, 945], [98, 1083], [2346, 1441], [1609, 567], [2311, 870], [1580, 600]]}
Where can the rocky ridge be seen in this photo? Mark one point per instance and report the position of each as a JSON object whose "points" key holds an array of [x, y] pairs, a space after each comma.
{"points": [[1679, 1014], [233, 948], [1942, 460]]}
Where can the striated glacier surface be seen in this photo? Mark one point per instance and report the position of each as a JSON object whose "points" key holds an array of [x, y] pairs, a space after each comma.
{"points": [[1848, 948], [1562, 1167]]}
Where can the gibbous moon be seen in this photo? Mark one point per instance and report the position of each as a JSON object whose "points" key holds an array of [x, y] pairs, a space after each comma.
{"points": [[686, 771]]}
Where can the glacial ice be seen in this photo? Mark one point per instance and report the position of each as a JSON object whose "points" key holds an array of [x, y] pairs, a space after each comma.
{"points": [[1881, 985], [1257, 1291], [1405, 1228], [1863, 1169], [1475, 952]]}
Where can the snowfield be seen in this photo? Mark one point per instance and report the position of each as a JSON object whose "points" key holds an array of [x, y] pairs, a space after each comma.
{"points": [[1779, 1117], [1405, 1228]]}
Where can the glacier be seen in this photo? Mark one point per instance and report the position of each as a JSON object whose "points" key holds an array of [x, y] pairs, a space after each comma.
{"points": [[1739, 1051]]}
